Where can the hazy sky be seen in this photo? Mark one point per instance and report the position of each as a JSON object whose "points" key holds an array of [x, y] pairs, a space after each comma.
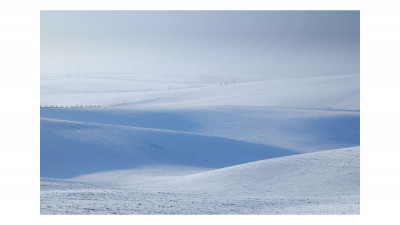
{"points": [[237, 43]]}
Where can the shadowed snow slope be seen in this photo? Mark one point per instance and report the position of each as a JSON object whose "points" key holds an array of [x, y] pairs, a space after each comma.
{"points": [[69, 149], [299, 130]]}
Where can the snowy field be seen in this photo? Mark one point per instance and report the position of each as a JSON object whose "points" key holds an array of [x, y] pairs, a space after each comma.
{"points": [[185, 146]]}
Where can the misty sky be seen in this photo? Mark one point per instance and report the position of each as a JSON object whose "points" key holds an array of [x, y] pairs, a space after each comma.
{"points": [[219, 43]]}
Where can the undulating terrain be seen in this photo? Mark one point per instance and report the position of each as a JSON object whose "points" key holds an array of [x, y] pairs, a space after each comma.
{"points": [[185, 146]]}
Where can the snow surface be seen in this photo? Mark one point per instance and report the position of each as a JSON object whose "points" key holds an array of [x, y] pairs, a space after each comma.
{"points": [[74, 148], [296, 184], [183, 146], [324, 92], [300, 130]]}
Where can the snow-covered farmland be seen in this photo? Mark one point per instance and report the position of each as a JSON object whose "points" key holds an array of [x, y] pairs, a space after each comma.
{"points": [[314, 183], [281, 146]]}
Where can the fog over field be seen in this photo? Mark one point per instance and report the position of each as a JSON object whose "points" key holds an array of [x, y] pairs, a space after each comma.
{"points": [[231, 44], [200, 112]]}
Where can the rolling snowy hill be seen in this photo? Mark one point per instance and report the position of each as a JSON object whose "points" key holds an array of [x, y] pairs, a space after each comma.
{"points": [[190, 147], [74, 148], [325, 182], [299, 130], [324, 92]]}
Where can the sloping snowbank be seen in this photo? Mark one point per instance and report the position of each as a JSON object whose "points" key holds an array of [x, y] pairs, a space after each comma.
{"points": [[72, 148]]}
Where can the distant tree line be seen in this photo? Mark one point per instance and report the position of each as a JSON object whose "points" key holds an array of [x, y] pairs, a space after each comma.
{"points": [[226, 83]]}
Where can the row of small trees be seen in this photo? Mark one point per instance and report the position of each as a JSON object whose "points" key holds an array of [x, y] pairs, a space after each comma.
{"points": [[226, 83], [68, 106]]}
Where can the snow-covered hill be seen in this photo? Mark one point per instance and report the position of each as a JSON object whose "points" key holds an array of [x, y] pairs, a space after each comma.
{"points": [[332, 92], [299, 130], [191, 147], [324, 92], [324, 173], [325, 182], [69, 149]]}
